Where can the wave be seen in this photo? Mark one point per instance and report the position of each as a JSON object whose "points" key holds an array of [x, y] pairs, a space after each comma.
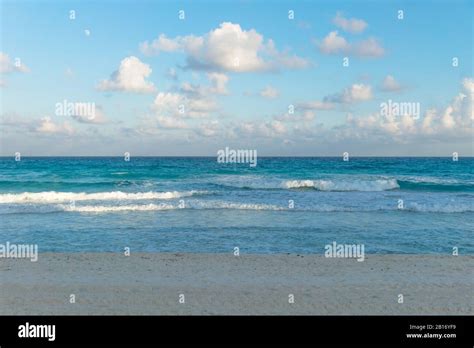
{"points": [[57, 197], [346, 184], [340, 184], [356, 185], [223, 205], [105, 209], [163, 206]]}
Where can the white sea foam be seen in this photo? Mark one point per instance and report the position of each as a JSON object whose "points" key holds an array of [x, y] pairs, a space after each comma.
{"points": [[163, 206], [57, 197], [451, 207], [460, 208], [339, 184], [115, 208], [232, 205], [344, 185]]}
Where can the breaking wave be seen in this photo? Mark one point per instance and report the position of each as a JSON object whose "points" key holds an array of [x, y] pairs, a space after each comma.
{"points": [[58, 197]]}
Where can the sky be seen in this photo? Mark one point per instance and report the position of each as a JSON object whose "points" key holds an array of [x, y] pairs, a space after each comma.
{"points": [[285, 78]]}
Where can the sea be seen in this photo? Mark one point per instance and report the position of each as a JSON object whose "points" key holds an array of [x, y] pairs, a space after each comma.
{"points": [[195, 204]]}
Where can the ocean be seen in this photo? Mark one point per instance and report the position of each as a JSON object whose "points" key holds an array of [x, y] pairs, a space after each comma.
{"points": [[195, 204]]}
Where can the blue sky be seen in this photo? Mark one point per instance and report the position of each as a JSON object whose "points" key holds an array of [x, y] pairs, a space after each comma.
{"points": [[111, 56]]}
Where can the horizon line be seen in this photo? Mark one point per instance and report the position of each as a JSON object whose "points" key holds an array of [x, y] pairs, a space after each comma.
{"points": [[207, 156]]}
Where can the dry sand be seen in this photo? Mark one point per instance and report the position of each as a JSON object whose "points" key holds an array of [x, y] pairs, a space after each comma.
{"points": [[150, 284]]}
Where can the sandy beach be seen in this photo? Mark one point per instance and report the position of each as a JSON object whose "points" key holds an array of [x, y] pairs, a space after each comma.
{"points": [[151, 284]]}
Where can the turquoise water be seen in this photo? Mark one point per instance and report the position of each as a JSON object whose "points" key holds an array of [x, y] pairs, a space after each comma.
{"points": [[283, 205]]}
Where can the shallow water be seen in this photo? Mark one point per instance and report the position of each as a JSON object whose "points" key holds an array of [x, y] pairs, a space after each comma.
{"points": [[283, 205]]}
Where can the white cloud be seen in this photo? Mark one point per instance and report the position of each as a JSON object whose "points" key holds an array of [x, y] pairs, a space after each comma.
{"points": [[182, 106], [170, 122], [264, 129], [162, 43], [352, 25], [218, 86], [9, 66], [97, 118], [130, 77], [47, 126], [227, 48], [193, 101], [354, 93], [389, 84], [169, 103], [368, 48], [305, 116], [269, 92], [277, 127], [209, 129], [333, 43], [454, 121], [200, 107]]}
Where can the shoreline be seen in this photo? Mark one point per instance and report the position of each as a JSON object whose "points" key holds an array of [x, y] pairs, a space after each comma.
{"points": [[224, 284]]}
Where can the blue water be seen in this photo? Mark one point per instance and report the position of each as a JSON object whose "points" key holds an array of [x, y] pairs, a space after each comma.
{"points": [[199, 205]]}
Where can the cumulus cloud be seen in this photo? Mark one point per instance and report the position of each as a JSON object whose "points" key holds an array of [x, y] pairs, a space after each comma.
{"points": [[218, 86], [97, 118], [454, 121], [264, 129], [333, 43], [179, 106], [451, 122], [171, 109], [7, 65], [367, 48], [170, 122], [130, 77], [351, 25], [209, 129], [305, 116], [47, 126], [355, 93], [162, 43], [269, 92], [226, 48], [389, 84]]}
